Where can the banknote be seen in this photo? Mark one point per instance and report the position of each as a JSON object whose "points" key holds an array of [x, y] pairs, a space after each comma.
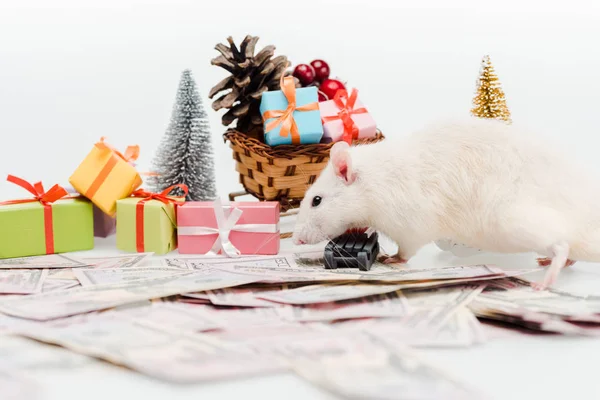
{"points": [[18, 353], [103, 276], [356, 366], [179, 316], [460, 330], [118, 261], [22, 281], [42, 262], [207, 262], [63, 303], [245, 296], [162, 353], [62, 274], [51, 285], [377, 306], [314, 294]]}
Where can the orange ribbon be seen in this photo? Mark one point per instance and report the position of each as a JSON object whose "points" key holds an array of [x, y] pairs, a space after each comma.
{"points": [[285, 118], [345, 114], [139, 209], [46, 199], [131, 154]]}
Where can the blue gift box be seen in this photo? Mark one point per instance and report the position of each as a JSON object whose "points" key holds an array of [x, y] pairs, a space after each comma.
{"points": [[309, 123]]}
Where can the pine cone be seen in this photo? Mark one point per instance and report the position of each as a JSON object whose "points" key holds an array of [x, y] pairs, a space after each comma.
{"points": [[251, 75]]}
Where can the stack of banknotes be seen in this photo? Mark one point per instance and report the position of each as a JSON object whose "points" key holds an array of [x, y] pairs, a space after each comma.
{"points": [[354, 333]]}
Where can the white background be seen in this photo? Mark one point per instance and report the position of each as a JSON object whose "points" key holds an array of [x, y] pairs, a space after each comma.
{"points": [[72, 71]]}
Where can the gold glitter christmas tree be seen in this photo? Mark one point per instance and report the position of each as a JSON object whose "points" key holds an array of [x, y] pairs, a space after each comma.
{"points": [[489, 101]]}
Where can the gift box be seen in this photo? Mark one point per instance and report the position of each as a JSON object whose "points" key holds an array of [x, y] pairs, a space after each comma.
{"points": [[46, 224], [346, 118], [104, 224], [146, 222], [291, 115], [246, 228], [106, 175]]}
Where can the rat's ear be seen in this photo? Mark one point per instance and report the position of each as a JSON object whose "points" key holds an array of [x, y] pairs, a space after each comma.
{"points": [[342, 163]]}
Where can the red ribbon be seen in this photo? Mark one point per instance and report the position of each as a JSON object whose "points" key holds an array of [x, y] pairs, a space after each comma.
{"points": [[285, 118], [139, 209], [131, 154], [46, 199], [345, 114]]}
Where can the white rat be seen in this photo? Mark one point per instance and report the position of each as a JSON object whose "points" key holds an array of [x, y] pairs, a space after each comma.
{"points": [[479, 182]]}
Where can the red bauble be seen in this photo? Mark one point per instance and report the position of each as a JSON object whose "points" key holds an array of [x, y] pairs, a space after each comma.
{"points": [[329, 87], [322, 96], [321, 70], [305, 74]]}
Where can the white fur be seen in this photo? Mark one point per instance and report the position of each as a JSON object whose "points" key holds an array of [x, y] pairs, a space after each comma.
{"points": [[479, 182]]}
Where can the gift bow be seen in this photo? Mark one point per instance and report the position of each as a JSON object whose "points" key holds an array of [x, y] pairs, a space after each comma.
{"points": [[285, 118], [131, 152], [345, 114], [139, 208], [226, 224], [46, 198]]}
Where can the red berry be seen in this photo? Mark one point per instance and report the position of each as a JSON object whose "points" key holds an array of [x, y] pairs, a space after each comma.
{"points": [[321, 70], [305, 73], [329, 87]]}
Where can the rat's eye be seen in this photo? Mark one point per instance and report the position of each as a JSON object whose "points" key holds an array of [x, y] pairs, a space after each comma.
{"points": [[316, 201]]}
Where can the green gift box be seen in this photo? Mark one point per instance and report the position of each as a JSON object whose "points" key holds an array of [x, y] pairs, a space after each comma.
{"points": [[28, 229], [145, 225]]}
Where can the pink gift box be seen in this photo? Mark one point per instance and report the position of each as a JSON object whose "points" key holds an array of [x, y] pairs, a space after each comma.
{"points": [[333, 130], [255, 232]]}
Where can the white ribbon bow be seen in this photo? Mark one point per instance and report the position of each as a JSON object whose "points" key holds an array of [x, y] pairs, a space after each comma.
{"points": [[226, 224]]}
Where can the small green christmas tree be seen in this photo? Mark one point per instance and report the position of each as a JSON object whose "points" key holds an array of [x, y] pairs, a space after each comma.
{"points": [[185, 154]]}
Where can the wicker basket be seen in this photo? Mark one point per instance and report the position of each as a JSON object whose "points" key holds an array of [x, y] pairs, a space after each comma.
{"points": [[280, 173]]}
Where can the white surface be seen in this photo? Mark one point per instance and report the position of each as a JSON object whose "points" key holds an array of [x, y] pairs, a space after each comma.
{"points": [[73, 71]]}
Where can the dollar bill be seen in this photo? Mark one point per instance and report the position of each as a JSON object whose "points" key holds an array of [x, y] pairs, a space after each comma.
{"points": [[119, 261], [62, 274], [103, 276], [179, 316], [378, 306], [356, 366], [18, 353], [64, 303], [42, 262], [22, 281], [314, 294], [159, 352], [51, 285], [244, 296], [208, 262]]}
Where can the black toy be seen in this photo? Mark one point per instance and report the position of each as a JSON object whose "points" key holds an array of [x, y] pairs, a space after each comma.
{"points": [[352, 250]]}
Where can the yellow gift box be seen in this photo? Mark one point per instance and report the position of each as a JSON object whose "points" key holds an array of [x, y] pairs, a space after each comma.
{"points": [[106, 175]]}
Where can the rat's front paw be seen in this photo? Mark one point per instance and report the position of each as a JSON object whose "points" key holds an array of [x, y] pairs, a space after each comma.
{"points": [[397, 259]]}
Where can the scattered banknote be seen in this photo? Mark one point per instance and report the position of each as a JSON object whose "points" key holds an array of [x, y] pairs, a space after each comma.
{"points": [[103, 276], [356, 366], [62, 274], [243, 296], [63, 303], [119, 261], [314, 294], [377, 306], [19, 353], [159, 352], [207, 262], [179, 316], [42, 262], [22, 281], [52, 285]]}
